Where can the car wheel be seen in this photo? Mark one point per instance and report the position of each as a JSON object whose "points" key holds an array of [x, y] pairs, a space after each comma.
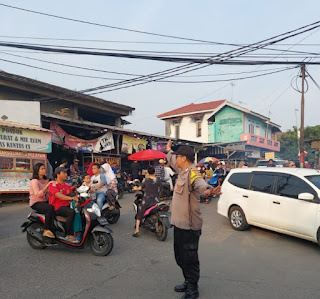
{"points": [[238, 219]]}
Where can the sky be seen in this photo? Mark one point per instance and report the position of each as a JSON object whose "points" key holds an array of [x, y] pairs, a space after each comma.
{"points": [[232, 21]]}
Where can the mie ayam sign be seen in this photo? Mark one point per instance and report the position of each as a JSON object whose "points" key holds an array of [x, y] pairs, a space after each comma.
{"points": [[25, 140]]}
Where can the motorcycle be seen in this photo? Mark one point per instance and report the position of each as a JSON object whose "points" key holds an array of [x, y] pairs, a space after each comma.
{"points": [[96, 234], [125, 183], [112, 215], [214, 182], [156, 218], [165, 191]]}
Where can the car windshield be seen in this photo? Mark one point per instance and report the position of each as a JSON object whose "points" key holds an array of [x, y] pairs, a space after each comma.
{"points": [[314, 179], [263, 163]]}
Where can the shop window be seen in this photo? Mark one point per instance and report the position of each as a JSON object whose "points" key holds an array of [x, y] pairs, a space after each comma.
{"points": [[198, 126], [23, 164], [34, 162], [6, 163]]}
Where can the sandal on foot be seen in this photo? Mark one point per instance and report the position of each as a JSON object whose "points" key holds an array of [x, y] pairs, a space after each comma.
{"points": [[70, 240], [48, 233], [135, 235]]}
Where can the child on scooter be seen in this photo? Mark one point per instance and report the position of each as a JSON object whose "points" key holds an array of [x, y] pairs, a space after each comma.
{"points": [[77, 223], [86, 180]]}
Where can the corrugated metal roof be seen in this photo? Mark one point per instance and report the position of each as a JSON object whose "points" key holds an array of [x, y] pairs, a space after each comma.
{"points": [[24, 83], [12, 124]]}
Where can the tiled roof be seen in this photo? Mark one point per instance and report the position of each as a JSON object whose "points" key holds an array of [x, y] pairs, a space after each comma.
{"points": [[191, 108]]}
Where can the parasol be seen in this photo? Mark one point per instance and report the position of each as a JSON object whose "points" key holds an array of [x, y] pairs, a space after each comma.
{"points": [[147, 155], [208, 159]]}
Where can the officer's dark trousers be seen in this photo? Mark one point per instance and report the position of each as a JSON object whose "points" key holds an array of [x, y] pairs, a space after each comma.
{"points": [[186, 244]]}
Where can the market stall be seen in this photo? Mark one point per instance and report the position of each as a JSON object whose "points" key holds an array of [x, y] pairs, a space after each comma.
{"points": [[21, 147]]}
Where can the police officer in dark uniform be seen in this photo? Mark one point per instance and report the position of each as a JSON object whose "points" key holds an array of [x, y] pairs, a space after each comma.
{"points": [[186, 216]]}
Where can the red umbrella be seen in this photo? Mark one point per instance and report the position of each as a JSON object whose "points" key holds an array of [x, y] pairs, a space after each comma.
{"points": [[147, 155]]}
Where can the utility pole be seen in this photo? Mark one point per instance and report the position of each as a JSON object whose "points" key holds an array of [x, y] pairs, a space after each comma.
{"points": [[298, 131], [303, 76]]}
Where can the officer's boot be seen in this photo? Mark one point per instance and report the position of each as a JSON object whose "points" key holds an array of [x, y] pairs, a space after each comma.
{"points": [[192, 292], [181, 287]]}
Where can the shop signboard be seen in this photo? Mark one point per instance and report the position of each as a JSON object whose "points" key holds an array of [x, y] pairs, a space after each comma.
{"points": [[98, 159], [25, 140], [132, 143], [14, 181], [269, 155]]}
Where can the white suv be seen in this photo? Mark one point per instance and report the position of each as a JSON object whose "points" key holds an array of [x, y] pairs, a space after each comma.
{"points": [[286, 200]]}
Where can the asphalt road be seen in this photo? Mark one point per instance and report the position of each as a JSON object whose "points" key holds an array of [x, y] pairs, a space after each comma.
{"points": [[252, 264]]}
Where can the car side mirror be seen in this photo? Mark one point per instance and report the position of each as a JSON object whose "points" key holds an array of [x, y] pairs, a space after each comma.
{"points": [[306, 196]]}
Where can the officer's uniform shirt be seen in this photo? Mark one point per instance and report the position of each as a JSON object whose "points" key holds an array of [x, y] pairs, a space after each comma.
{"points": [[185, 207]]}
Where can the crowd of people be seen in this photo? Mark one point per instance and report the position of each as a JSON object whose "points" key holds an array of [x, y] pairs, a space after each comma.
{"points": [[56, 198]]}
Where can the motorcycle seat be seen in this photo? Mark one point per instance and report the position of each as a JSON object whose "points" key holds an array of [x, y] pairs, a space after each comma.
{"points": [[37, 213], [149, 210], [61, 218]]}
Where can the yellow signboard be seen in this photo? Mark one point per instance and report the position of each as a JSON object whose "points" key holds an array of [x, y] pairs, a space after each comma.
{"points": [[269, 155]]}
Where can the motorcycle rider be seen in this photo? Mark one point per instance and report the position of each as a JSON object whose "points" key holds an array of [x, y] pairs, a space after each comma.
{"points": [[111, 180], [135, 169], [74, 168], [60, 199], [168, 174], [39, 185], [160, 173], [98, 184], [151, 187]]}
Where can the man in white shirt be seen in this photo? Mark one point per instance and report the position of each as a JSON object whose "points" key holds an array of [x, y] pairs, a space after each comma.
{"points": [[98, 185], [168, 172]]}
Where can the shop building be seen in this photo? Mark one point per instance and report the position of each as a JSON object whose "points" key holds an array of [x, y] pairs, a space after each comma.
{"points": [[83, 126], [226, 130]]}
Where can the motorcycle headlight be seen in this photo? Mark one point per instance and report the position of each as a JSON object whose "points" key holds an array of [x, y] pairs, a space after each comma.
{"points": [[95, 209]]}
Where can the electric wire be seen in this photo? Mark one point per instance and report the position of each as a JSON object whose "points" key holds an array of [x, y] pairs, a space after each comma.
{"points": [[104, 25], [163, 53], [231, 52], [116, 27], [130, 74], [166, 81], [313, 80], [136, 42]]}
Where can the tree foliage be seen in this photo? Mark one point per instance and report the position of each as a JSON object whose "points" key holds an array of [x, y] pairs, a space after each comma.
{"points": [[290, 146]]}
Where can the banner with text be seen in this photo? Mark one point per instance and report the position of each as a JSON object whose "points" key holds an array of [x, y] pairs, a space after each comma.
{"points": [[25, 140], [101, 144]]}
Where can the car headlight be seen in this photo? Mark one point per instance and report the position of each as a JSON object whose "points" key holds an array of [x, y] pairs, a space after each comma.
{"points": [[95, 209]]}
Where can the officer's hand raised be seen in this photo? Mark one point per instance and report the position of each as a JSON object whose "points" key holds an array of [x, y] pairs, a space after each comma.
{"points": [[169, 145]]}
